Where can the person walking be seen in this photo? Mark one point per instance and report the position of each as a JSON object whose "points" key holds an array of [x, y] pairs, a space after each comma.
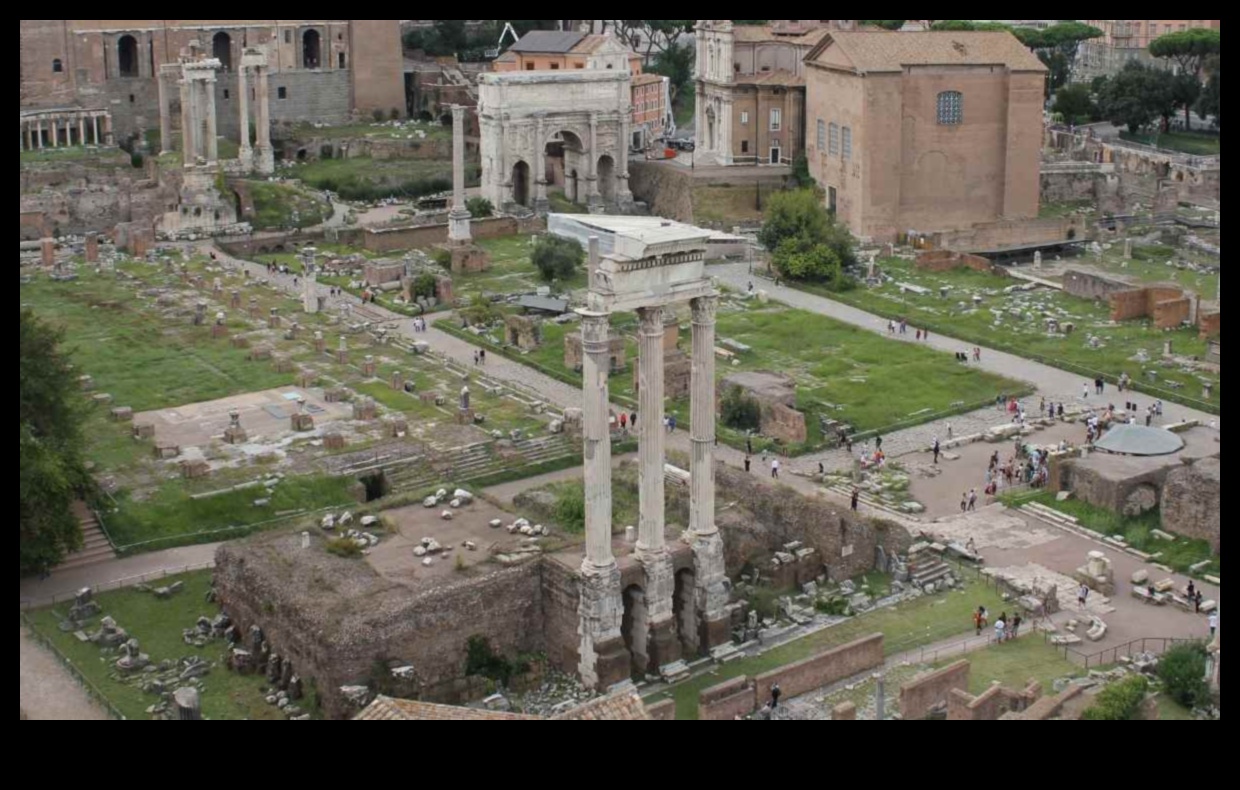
{"points": [[936, 448], [1082, 595], [856, 496], [1197, 603], [972, 499], [633, 420], [878, 443], [1000, 627], [775, 468], [482, 356], [624, 422], [1085, 391], [1192, 591], [977, 622], [1213, 621], [964, 502], [775, 694], [746, 464], [1015, 630], [671, 424]]}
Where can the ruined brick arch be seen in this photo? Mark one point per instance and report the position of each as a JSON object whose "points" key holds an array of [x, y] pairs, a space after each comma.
{"points": [[127, 56]]}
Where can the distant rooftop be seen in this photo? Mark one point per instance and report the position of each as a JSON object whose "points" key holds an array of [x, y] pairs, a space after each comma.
{"points": [[547, 41]]}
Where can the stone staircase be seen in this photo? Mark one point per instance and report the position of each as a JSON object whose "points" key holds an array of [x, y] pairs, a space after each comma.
{"points": [[926, 566], [472, 462], [95, 544]]}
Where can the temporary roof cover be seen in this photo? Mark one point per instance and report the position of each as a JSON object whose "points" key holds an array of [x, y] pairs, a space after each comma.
{"points": [[1139, 440]]}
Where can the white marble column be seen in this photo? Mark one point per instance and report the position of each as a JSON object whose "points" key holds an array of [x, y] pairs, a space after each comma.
{"points": [[650, 428], [595, 366], [38, 134], [539, 163], [244, 151], [458, 218], [55, 134], [592, 195], [622, 160], [208, 98], [264, 160], [81, 130], [187, 122], [95, 121]]}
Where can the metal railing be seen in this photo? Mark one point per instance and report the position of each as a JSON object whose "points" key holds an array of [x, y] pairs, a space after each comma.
{"points": [[1111, 655], [26, 604]]}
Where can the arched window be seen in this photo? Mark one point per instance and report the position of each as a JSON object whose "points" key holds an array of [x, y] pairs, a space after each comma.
{"points": [[127, 56], [950, 108], [57, 66], [221, 49], [310, 49]]}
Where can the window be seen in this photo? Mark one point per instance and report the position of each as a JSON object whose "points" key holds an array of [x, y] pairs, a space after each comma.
{"points": [[226, 94], [833, 139], [744, 146], [340, 60], [822, 135], [555, 66], [776, 118], [131, 98], [950, 108], [529, 66], [744, 117], [57, 66], [281, 92], [288, 37], [847, 142]]}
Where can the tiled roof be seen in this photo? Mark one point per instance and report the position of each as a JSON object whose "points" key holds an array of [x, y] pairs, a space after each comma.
{"points": [[625, 706], [547, 41], [752, 33], [391, 709], [755, 34], [646, 79], [876, 51], [776, 77]]}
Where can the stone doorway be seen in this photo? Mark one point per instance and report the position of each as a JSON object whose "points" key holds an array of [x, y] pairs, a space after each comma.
{"points": [[521, 184], [127, 56], [635, 629], [607, 179], [376, 484], [221, 48]]}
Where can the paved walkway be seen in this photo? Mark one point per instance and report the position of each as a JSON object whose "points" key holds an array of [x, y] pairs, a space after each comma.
{"points": [[120, 572], [1053, 383], [46, 690]]}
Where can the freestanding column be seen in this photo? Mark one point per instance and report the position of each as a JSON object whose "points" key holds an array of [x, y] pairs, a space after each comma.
{"points": [[55, 134], [208, 98], [165, 113], [603, 659], [244, 152], [711, 594], [622, 160], [539, 162], [81, 130], [264, 161], [95, 119], [458, 218], [660, 647], [187, 122], [38, 134]]}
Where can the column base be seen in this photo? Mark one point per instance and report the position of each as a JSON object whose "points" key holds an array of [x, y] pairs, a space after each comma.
{"points": [[458, 227], [712, 592], [542, 205], [264, 161], [662, 646], [246, 157], [603, 660]]}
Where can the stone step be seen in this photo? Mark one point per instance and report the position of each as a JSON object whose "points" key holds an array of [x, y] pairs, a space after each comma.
{"points": [[87, 557], [932, 574], [674, 672], [726, 653]]}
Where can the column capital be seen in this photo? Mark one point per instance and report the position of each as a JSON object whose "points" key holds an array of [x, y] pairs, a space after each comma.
{"points": [[650, 321], [595, 331], [704, 309]]}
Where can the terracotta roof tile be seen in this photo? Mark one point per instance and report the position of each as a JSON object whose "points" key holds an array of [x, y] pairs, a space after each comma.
{"points": [[875, 51], [618, 707], [776, 77], [391, 709]]}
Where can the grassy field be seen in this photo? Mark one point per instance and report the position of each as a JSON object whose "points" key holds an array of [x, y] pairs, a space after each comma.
{"points": [[75, 153], [1015, 663], [1189, 143], [1063, 208], [1149, 264], [907, 626], [143, 360], [157, 625], [171, 517], [280, 206], [729, 204], [433, 129], [363, 178], [510, 272], [1179, 554], [959, 317]]}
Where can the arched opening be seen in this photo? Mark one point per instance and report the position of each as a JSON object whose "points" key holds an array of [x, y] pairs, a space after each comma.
{"points": [[685, 612], [633, 627], [607, 178], [562, 155], [221, 49], [127, 55], [310, 49], [57, 66], [376, 484], [521, 183], [301, 154]]}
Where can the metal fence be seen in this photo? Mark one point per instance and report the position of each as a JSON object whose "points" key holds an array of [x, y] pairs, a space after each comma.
{"points": [[1111, 655], [25, 604]]}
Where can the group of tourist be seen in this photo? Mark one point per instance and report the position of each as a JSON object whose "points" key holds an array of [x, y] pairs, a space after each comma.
{"points": [[480, 355], [964, 356], [900, 327], [419, 325]]}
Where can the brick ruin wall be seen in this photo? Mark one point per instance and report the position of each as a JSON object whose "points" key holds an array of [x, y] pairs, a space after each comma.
{"points": [[79, 198], [1010, 233], [1192, 501], [421, 236], [946, 260], [1209, 325], [1087, 285], [667, 191], [992, 704], [1133, 492], [928, 691]]}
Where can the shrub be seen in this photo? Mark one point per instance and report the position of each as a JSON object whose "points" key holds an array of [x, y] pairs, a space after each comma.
{"points": [[1182, 670], [425, 115], [136, 159], [442, 257], [556, 258], [479, 207], [424, 284], [394, 114], [1119, 701], [799, 214], [832, 606], [343, 547], [481, 660], [741, 411], [459, 564], [377, 114], [570, 509]]}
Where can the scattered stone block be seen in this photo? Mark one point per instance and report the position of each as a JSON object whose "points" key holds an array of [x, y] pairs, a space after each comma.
{"points": [[144, 430], [1140, 577]]}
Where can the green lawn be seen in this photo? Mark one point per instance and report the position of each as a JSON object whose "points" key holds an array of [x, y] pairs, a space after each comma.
{"points": [[510, 272], [157, 625], [1179, 553], [143, 360], [280, 206], [1170, 710], [1015, 663], [1063, 208], [1149, 264], [75, 153], [907, 626], [1189, 143], [958, 317], [363, 178], [434, 130], [170, 516]]}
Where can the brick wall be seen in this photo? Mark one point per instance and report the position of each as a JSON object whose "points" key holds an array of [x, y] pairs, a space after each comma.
{"points": [[1166, 305], [390, 239], [727, 700], [1091, 286], [1171, 313], [926, 691], [946, 260], [823, 669], [991, 704], [1209, 325], [1010, 233], [1050, 707]]}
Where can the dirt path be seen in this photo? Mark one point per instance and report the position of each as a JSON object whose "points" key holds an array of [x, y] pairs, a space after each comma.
{"points": [[47, 690]]}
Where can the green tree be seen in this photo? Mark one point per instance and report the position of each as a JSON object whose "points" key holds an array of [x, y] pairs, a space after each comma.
{"points": [[51, 469], [1057, 46], [798, 258], [556, 258], [1136, 96], [452, 34], [675, 63], [1120, 701], [1075, 103], [738, 410], [886, 24], [479, 207], [1185, 91], [1210, 101], [799, 214], [800, 172], [1188, 49], [1182, 670], [954, 24]]}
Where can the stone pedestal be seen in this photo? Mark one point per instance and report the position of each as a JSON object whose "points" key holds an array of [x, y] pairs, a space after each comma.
{"points": [[467, 257], [306, 378], [255, 311], [662, 644], [398, 381], [302, 422], [92, 248], [235, 434], [191, 469], [234, 300], [364, 409], [368, 365], [48, 249], [464, 416], [273, 318], [219, 330], [320, 344], [333, 441], [144, 430], [714, 624], [603, 659]]}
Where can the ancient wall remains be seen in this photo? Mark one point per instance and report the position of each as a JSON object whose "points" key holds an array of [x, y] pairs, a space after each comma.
{"points": [[931, 690], [946, 260], [1010, 233], [667, 190], [1209, 324], [727, 700], [1087, 285], [992, 704], [1067, 704], [1192, 501], [420, 236], [664, 710]]}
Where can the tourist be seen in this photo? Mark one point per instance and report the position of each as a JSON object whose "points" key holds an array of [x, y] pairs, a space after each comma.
{"points": [[977, 354], [1060, 410], [666, 423], [878, 442], [919, 334], [775, 468], [1157, 408], [1085, 392], [482, 356], [671, 424], [749, 445], [972, 499], [1082, 595], [1015, 626], [1213, 621], [856, 496], [751, 286], [949, 431], [891, 327], [775, 693], [633, 420], [1197, 603], [964, 501], [977, 622], [475, 358], [1000, 626], [624, 422], [1192, 591], [1149, 416], [935, 448], [746, 464], [822, 470]]}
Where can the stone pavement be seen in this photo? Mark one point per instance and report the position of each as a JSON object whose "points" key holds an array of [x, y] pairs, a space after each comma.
{"points": [[46, 690], [1052, 383], [119, 572]]}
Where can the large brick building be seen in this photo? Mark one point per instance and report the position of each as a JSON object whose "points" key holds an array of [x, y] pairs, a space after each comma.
{"points": [[321, 70], [924, 131]]}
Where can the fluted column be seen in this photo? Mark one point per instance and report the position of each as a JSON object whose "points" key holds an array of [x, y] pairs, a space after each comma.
{"points": [[55, 134], [650, 428], [245, 152], [702, 418], [208, 98], [458, 218], [622, 160], [595, 364], [165, 113]]}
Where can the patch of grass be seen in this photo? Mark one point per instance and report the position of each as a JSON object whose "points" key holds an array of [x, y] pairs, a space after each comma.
{"points": [[511, 271], [76, 153], [959, 317], [1014, 663], [907, 626], [1170, 710], [157, 625], [143, 360], [560, 204], [363, 178], [345, 547], [1180, 553], [281, 206], [170, 517], [1186, 142], [1063, 208], [433, 129]]}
